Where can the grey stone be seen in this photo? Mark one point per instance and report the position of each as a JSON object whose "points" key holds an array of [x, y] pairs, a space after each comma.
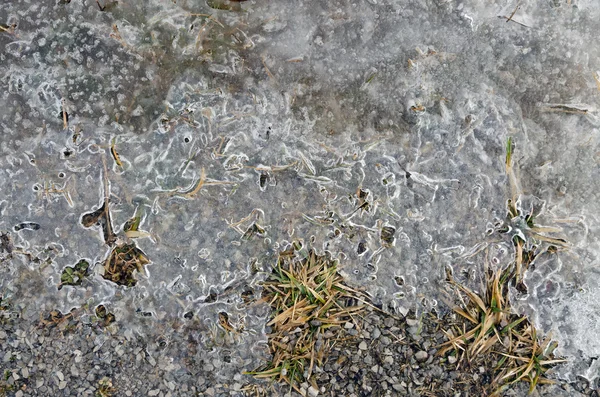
{"points": [[421, 355], [376, 333]]}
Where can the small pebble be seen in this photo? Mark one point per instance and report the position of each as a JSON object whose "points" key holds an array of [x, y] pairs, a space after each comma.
{"points": [[363, 345], [421, 356], [376, 333]]}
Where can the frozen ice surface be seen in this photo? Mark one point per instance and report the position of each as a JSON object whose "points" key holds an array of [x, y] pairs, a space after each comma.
{"points": [[373, 129]]}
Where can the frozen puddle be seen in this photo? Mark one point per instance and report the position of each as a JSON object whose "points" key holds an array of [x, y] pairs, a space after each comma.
{"points": [[375, 130]]}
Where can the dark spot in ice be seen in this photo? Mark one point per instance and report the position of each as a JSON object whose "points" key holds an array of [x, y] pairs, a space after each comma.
{"points": [[399, 280], [212, 297], [67, 153], [162, 341], [179, 261], [92, 218], [248, 295], [387, 235], [66, 115], [6, 243], [253, 230], [27, 225], [104, 316], [362, 248], [188, 315], [142, 313], [227, 357], [100, 216], [262, 180]]}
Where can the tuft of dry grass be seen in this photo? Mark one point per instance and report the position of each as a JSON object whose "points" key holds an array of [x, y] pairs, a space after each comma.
{"points": [[488, 334], [308, 298], [525, 221], [123, 261], [105, 388]]}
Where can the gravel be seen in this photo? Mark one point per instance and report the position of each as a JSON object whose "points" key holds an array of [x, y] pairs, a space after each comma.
{"points": [[400, 359], [381, 356]]}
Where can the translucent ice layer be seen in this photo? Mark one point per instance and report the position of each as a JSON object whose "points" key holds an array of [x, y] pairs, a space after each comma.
{"points": [[375, 130]]}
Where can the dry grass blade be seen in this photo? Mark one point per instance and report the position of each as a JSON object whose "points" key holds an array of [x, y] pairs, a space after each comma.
{"points": [[466, 315], [472, 295]]}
